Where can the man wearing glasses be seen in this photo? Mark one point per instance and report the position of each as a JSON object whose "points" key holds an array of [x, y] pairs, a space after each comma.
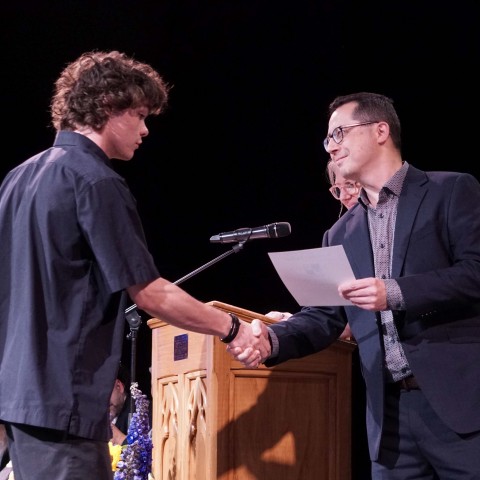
{"points": [[414, 245]]}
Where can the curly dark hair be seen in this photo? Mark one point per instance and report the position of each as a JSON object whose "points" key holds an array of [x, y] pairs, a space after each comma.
{"points": [[100, 84]]}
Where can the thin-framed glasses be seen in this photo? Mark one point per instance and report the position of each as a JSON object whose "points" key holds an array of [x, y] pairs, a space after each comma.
{"points": [[337, 134], [349, 187]]}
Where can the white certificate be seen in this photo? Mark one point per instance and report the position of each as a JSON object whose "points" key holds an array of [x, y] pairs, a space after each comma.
{"points": [[312, 276]]}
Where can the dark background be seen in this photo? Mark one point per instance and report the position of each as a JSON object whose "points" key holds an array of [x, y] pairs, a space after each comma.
{"points": [[240, 144]]}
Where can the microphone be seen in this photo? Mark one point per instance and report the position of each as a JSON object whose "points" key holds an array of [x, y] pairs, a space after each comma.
{"points": [[272, 230]]}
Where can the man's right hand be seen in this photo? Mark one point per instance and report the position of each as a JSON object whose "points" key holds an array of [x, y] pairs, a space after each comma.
{"points": [[252, 356]]}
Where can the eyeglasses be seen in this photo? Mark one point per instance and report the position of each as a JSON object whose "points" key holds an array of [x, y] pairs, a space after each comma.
{"points": [[337, 134], [349, 187]]}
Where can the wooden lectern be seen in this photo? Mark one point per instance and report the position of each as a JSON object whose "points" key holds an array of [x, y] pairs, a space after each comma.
{"points": [[215, 419]]}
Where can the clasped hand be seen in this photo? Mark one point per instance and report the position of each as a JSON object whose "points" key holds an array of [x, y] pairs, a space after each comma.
{"points": [[251, 346]]}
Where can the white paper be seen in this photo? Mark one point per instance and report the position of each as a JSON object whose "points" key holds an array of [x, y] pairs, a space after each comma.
{"points": [[313, 275]]}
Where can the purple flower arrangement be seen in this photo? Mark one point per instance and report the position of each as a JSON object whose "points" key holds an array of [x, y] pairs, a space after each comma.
{"points": [[136, 458]]}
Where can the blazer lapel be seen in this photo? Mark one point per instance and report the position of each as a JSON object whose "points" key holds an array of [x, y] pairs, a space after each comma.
{"points": [[357, 243], [413, 191]]}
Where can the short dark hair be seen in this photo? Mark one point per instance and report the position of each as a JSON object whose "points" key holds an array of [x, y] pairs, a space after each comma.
{"points": [[372, 107], [100, 84]]}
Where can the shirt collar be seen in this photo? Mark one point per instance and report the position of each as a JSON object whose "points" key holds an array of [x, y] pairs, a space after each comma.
{"points": [[394, 185]]}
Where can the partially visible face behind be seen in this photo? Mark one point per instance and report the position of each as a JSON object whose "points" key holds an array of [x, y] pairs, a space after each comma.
{"points": [[346, 198], [117, 399]]}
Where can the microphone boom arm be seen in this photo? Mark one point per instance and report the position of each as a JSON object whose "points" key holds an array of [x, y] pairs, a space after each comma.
{"points": [[235, 249], [130, 312]]}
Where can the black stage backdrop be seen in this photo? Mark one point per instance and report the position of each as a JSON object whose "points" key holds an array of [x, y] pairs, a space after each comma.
{"points": [[240, 145]]}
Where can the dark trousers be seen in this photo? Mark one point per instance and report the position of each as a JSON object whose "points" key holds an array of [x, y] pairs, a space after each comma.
{"points": [[417, 445], [41, 453], [361, 464]]}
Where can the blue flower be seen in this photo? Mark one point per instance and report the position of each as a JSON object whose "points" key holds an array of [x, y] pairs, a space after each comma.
{"points": [[136, 459]]}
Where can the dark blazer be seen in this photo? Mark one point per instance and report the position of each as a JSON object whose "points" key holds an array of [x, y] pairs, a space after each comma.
{"points": [[436, 261]]}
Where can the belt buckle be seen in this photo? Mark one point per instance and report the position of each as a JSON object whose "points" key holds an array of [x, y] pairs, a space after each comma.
{"points": [[404, 385], [409, 383]]}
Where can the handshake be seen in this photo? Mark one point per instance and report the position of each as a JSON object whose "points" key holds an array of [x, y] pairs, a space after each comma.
{"points": [[255, 345], [252, 345]]}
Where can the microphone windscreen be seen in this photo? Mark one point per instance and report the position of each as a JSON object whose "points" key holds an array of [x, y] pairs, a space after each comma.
{"points": [[279, 229]]}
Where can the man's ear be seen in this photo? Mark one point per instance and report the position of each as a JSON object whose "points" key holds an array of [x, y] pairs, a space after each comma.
{"points": [[383, 131]]}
